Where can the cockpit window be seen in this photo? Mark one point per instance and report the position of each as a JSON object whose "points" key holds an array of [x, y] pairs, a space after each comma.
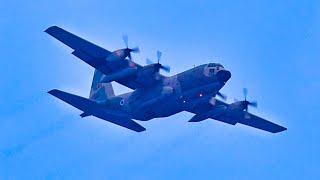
{"points": [[211, 65], [212, 69], [215, 65]]}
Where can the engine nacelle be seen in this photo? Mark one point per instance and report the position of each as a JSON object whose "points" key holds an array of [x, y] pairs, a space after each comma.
{"points": [[218, 110], [124, 73], [117, 55]]}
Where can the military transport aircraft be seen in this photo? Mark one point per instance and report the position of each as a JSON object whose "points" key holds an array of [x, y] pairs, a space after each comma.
{"points": [[154, 95]]}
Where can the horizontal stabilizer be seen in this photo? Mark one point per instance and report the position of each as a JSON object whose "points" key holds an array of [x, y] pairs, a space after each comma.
{"points": [[90, 107]]}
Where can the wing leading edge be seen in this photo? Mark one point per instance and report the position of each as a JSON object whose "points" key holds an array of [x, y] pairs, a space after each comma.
{"points": [[77, 43], [249, 119], [90, 107]]}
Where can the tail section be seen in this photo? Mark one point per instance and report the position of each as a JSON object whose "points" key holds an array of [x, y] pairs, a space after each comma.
{"points": [[100, 91]]}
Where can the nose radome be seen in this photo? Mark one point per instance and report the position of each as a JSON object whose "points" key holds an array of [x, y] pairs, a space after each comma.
{"points": [[223, 75]]}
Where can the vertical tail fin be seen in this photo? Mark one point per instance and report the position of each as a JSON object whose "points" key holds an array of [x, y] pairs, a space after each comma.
{"points": [[100, 91]]}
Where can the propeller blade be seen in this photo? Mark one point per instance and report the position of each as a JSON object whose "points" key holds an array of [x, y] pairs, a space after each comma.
{"points": [[125, 39], [253, 104], [212, 101], [165, 68], [245, 93], [158, 65], [129, 50], [245, 103], [222, 96], [135, 50], [159, 53]]}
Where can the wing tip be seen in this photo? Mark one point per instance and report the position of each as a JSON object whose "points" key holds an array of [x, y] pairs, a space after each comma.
{"points": [[53, 92], [51, 29], [141, 129], [280, 129]]}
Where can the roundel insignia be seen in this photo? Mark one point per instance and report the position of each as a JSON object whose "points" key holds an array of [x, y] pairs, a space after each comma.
{"points": [[122, 102]]}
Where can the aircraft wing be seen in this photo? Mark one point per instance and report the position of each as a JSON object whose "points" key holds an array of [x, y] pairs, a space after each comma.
{"points": [[249, 119], [77, 43], [222, 112], [90, 107], [95, 56]]}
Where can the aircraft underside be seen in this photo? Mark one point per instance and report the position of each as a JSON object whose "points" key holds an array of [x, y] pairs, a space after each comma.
{"points": [[153, 94]]}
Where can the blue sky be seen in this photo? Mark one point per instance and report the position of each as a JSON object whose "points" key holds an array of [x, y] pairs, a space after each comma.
{"points": [[271, 47]]}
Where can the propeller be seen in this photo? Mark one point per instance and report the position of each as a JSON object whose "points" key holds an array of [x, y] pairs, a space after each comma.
{"points": [[246, 102], [222, 96], [127, 49], [158, 65], [212, 100]]}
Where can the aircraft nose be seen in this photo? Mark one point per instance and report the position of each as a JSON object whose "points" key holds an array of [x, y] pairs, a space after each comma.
{"points": [[223, 75]]}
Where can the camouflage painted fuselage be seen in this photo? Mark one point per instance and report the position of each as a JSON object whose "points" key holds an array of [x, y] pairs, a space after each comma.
{"points": [[171, 95], [154, 95]]}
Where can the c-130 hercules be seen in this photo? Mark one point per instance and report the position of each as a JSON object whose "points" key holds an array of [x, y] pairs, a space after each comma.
{"points": [[154, 95]]}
